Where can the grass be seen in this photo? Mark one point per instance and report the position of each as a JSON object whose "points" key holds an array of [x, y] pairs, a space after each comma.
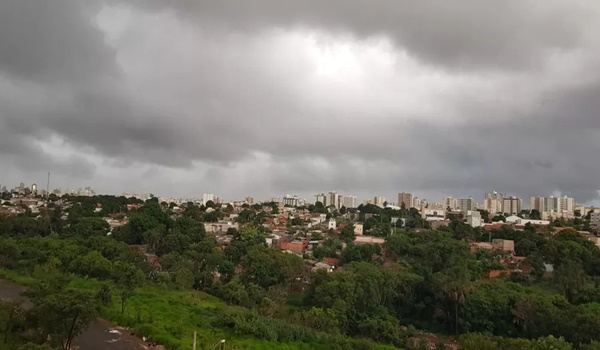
{"points": [[16, 277], [170, 317]]}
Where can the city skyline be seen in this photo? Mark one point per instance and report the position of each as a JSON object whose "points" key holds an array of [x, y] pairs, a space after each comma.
{"points": [[274, 98], [464, 203]]}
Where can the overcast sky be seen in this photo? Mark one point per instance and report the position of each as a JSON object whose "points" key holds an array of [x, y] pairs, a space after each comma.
{"points": [[268, 97]]}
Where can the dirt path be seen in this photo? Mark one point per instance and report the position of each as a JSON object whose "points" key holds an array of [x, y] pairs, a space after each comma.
{"points": [[101, 335]]}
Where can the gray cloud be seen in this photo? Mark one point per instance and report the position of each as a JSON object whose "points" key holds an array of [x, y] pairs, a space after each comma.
{"points": [[464, 34], [247, 97], [51, 41]]}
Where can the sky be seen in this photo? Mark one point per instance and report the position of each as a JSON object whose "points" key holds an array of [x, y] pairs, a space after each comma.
{"points": [[265, 98]]}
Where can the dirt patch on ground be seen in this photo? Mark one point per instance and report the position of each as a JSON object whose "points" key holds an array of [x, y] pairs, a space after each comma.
{"points": [[104, 335], [101, 335]]}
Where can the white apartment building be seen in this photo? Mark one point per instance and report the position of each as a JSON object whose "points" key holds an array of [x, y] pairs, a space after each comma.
{"points": [[333, 199], [321, 197], [553, 204], [493, 202], [450, 202], [378, 201], [293, 201], [474, 218], [207, 197], [350, 201], [512, 205]]}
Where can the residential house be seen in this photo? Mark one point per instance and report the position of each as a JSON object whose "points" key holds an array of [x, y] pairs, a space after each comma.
{"points": [[505, 245], [358, 229]]}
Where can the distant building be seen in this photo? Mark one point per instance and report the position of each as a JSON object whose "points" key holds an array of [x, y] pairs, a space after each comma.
{"points": [[208, 197], [350, 201], [512, 205], [450, 202], [433, 214], [553, 204], [358, 229], [466, 204], [333, 199], [513, 219], [368, 240], [219, 227], [321, 198], [331, 224], [292, 201], [249, 200], [379, 201], [408, 199], [493, 202], [474, 218], [504, 245], [595, 221]]}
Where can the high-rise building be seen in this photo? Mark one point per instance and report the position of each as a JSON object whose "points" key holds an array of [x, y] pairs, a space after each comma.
{"points": [[450, 202], [466, 205], [419, 203], [292, 201], [321, 197], [277, 200], [553, 204], [34, 189], [249, 200], [350, 201], [207, 197], [379, 201], [408, 199], [493, 202], [537, 203], [512, 205], [333, 199]]}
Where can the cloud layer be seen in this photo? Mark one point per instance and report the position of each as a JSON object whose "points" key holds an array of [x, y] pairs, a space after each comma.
{"points": [[271, 97]]}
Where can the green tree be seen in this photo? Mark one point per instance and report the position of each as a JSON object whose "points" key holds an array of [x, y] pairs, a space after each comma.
{"points": [[454, 284], [10, 315], [127, 278], [347, 233], [93, 264], [570, 278], [535, 215], [67, 314]]}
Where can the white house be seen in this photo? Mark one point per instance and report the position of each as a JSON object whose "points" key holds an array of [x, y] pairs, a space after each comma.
{"points": [[331, 224]]}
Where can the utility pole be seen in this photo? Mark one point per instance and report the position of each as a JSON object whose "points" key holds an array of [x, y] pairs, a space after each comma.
{"points": [[48, 203], [194, 340]]}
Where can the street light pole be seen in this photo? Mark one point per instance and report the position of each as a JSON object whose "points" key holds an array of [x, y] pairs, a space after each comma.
{"points": [[222, 343]]}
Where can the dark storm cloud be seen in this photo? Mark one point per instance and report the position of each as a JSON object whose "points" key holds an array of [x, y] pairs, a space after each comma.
{"points": [[464, 34], [51, 41], [210, 90], [22, 153]]}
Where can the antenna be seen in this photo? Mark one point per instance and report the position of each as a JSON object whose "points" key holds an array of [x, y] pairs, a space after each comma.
{"points": [[48, 188]]}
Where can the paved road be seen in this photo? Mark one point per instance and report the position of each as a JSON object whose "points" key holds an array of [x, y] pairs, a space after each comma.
{"points": [[100, 336]]}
